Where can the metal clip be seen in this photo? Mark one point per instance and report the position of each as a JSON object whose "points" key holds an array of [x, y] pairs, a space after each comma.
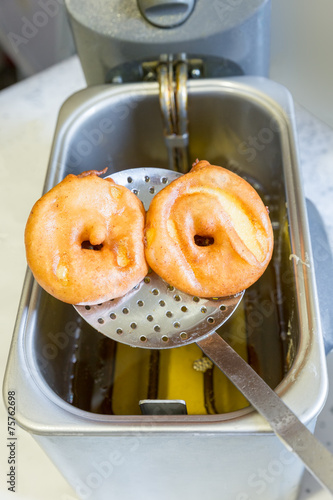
{"points": [[163, 407], [172, 78]]}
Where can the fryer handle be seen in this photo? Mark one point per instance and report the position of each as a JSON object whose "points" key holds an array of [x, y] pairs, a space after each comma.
{"points": [[323, 266], [166, 13], [294, 435]]}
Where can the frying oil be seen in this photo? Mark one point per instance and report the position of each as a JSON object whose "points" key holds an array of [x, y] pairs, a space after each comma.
{"points": [[171, 374]]}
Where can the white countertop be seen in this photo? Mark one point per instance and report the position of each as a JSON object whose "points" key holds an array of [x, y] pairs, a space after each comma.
{"points": [[28, 113]]}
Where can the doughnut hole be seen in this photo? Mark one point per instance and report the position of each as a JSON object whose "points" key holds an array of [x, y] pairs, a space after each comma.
{"points": [[203, 241], [86, 245], [93, 236]]}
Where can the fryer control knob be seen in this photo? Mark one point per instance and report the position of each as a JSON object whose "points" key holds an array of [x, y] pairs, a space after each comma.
{"points": [[166, 13]]}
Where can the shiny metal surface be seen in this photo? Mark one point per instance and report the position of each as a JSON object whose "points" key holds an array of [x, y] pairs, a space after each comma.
{"points": [[284, 422], [251, 105], [155, 315], [172, 80], [162, 407], [191, 455], [192, 319], [323, 264], [182, 119], [112, 33], [166, 13]]}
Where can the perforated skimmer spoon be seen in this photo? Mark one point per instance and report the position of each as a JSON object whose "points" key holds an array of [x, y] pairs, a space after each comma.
{"points": [[155, 315]]}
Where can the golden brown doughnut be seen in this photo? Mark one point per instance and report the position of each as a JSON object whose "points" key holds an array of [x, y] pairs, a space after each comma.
{"points": [[208, 233], [84, 240]]}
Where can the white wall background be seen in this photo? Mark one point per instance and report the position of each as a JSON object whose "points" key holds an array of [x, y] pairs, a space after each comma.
{"points": [[302, 52]]}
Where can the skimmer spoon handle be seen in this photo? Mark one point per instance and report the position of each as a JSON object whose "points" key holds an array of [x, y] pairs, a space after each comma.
{"points": [[286, 425]]}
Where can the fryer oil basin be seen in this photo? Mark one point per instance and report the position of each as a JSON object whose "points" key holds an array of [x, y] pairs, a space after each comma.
{"points": [[83, 389]]}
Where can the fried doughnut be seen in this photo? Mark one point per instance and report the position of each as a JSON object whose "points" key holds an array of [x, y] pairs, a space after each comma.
{"points": [[84, 240], [208, 233]]}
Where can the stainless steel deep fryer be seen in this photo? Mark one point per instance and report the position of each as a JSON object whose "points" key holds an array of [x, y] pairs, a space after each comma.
{"points": [[79, 392], [122, 422]]}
